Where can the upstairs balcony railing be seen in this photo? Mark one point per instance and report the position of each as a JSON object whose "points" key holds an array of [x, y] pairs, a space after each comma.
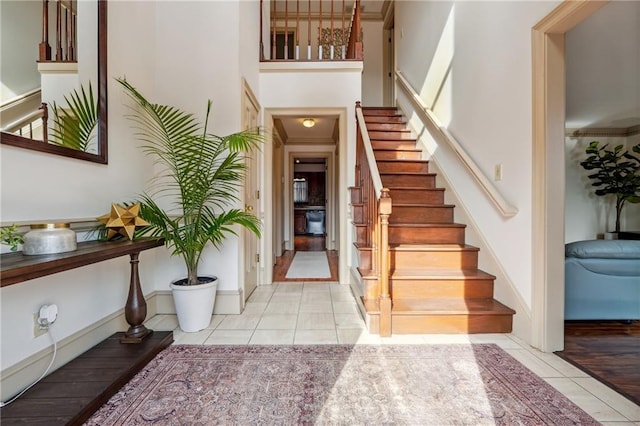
{"points": [[311, 30]]}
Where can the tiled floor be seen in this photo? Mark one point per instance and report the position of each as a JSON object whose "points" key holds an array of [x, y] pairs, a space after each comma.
{"points": [[325, 313]]}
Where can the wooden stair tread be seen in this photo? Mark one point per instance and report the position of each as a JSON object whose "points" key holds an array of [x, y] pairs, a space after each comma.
{"points": [[424, 205], [427, 225], [407, 173], [450, 307], [413, 188], [470, 274], [432, 273], [433, 247]]}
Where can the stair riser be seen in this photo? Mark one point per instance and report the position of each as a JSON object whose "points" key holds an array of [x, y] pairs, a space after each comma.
{"points": [[433, 289], [393, 136], [386, 126], [361, 236], [410, 235], [411, 214], [356, 194], [397, 180], [393, 145], [428, 324], [364, 259], [424, 196], [397, 155], [358, 212], [402, 259], [403, 166]]}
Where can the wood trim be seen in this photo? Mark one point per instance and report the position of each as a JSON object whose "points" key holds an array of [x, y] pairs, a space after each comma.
{"points": [[548, 88], [612, 132]]}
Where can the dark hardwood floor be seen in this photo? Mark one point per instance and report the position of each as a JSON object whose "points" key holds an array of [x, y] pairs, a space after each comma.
{"points": [[608, 351], [69, 395], [305, 243]]}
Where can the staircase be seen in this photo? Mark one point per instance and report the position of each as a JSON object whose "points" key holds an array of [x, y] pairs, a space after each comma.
{"points": [[434, 282]]}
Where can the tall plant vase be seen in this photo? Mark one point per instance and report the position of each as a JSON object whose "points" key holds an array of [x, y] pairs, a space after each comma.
{"points": [[194, 304]]}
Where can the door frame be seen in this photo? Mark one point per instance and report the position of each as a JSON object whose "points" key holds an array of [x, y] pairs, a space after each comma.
{"points": [[548, 109], [312, 151], [269, 180], [249, 100]]}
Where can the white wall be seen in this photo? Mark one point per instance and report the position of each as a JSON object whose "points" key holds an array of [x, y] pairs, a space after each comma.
{"points": [[37, 187], [372, 75], [172, 52], [18, 71], [603, 68], [471, 61]]}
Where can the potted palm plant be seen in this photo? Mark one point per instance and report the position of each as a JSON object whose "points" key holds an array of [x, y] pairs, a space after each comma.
{"points": [[615, 172], [74, 126], [201, 175]]}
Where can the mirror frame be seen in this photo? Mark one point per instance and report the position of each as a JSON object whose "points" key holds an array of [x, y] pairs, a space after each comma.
{"points": [[101, 157]]}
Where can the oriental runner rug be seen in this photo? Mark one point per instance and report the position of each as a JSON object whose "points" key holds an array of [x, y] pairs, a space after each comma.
{"points": [[338, 385]]}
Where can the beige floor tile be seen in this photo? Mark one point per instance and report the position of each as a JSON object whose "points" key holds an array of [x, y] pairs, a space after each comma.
{"points": [[315, 337], [558, 363], [215, 321], [351, 336], [289, 288], [239, 322], [403, 339], [585, 400], [278, 322], [197, 338], [316, 288], [446, 339], [342, 296], [317, 307], [618, 423], [316, 296], [262, 294], [272, 337], [344, 307], [229, 337], [616, 401], [291, 307], [162, 323], [255, 308], [533, 363], [349, 321], [286, 298], [316, 321]]}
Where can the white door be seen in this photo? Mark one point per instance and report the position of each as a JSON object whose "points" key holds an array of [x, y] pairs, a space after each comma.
{"points": [[251, 197]]}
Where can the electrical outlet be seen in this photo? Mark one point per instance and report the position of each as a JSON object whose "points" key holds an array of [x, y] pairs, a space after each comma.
{"points": [[37, 329], [497, 172]]}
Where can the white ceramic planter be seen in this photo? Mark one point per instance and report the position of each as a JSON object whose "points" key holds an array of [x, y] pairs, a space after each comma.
{"points": [[194, 304]]}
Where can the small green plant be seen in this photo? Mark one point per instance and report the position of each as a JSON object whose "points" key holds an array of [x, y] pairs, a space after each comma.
{"points": [[10, 236], [74, 126], [617, 172]]}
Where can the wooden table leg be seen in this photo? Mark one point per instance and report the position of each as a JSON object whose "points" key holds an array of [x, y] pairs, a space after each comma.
{"points": [[135, 311]]}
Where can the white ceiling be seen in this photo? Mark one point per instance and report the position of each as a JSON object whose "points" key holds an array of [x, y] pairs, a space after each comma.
{"points": [[291, 130]]}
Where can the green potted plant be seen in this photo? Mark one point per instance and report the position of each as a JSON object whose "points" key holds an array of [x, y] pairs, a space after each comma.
{"points": [[74, 126], [201, 176], [10, 236], [616, 172]]}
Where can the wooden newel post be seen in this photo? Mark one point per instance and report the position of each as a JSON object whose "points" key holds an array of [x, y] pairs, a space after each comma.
{"points": [[45, 118], [135, 311], [385, 298]]}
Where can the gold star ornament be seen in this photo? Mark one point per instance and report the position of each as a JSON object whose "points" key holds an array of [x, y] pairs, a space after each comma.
{"points": [[123, 220]]}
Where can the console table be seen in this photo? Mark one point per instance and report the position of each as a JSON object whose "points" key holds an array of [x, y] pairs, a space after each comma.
{"points": [[69, 395], [17, 267]]}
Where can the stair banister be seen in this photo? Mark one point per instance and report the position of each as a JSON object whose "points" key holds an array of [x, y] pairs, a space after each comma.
{"points": [[379, 206], [442, 135]]}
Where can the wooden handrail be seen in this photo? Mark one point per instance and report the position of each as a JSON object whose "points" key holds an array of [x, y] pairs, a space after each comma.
{"points": [[377, 209], [442, 135]]}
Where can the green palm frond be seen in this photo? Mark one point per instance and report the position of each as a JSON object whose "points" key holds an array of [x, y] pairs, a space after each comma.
{"points": [[200, 175], [74, 126]]}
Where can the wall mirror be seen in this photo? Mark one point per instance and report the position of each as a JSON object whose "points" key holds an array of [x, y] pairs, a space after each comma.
{"points": [[98, 152]]}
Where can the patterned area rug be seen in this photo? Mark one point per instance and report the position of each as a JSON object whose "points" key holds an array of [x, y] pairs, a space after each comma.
{"points": [[338, 384]]}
